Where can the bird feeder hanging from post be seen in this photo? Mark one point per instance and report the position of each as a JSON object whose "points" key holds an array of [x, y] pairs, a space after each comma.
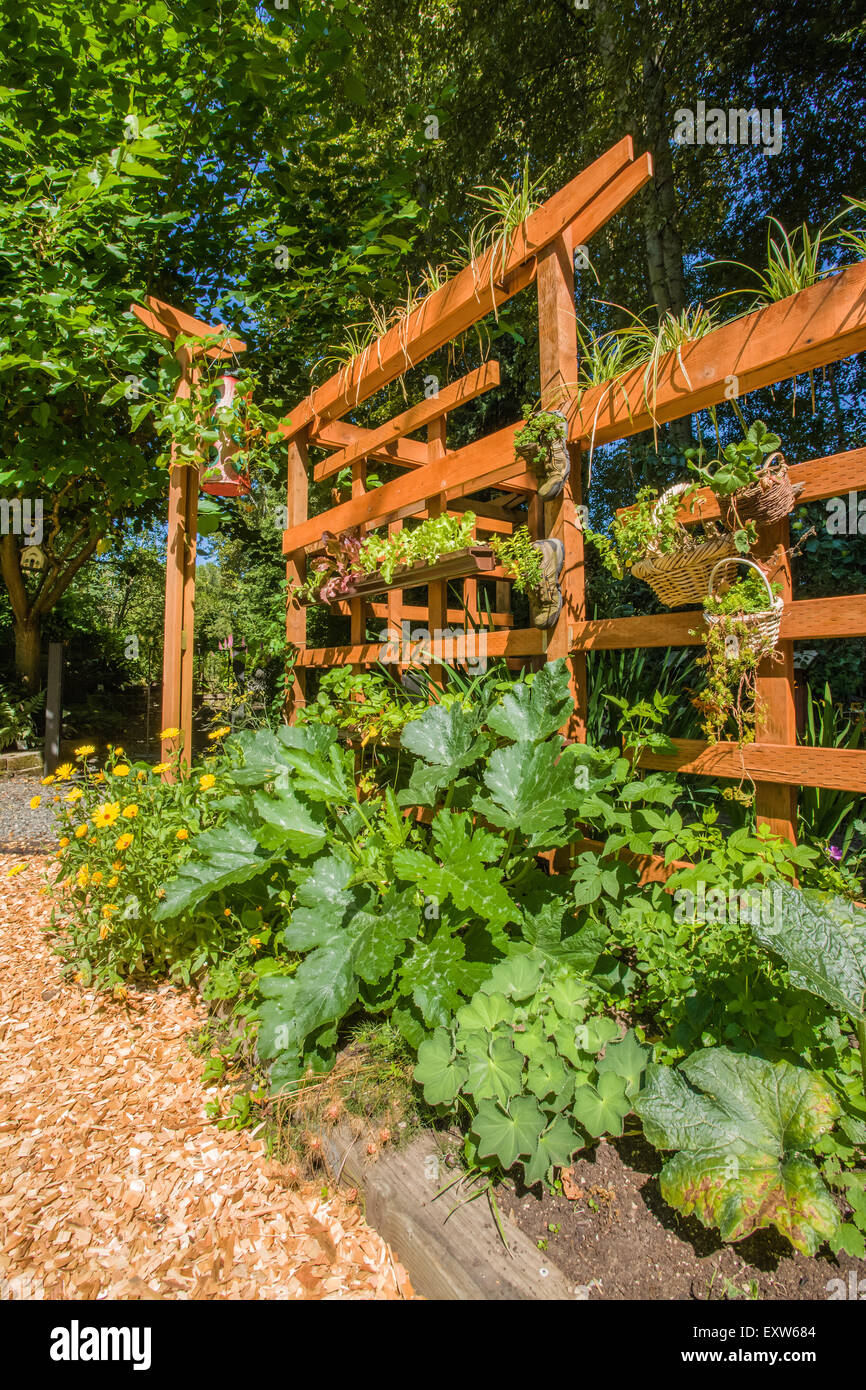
{"points": [[219, 477]]}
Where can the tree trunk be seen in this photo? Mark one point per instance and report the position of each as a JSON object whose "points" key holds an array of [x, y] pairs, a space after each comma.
{"points": [[28, 653]]}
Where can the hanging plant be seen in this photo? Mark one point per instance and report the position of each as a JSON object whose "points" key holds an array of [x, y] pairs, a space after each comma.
{"points": [[542, 443], [750, 479], [519, 555], [743, 621]]}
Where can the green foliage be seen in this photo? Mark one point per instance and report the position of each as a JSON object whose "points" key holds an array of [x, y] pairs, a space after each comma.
{"points": [[428, 542], [521, 557], [743, 1128], [17, 717], [649, 525], [367, 705], [822, 940], [733, 651], [740, 463], [537, 1070]]}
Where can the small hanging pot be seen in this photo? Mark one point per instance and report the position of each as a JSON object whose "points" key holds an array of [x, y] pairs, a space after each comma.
{"points": [[769, 498]]}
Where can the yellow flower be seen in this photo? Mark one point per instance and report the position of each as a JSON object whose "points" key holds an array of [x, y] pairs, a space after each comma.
{"points": [[220, 733], [55, 798], [117, 866], [46, 781], [106, 814], [64, 841], [169, 733], [117, 749], [140, 775], [130, 811], [34, 802], [75, 795], [183, 833], [85, 750], [109, 908], [64, 772], [82, 878], [161, 767], [16, 869], [119, 992], [78, 977], [99, 777], [207, 781], [81, 830], [255, 943], [104, 931], [122, 770], [123, 842], [96, 878], [112, 881]]}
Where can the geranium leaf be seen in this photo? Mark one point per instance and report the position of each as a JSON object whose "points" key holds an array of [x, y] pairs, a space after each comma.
{"points": [[602, 1108], [506, 1134], [437, 1070]]}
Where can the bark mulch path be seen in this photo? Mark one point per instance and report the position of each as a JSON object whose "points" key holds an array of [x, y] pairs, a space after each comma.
{"points": [[113, 1184]]}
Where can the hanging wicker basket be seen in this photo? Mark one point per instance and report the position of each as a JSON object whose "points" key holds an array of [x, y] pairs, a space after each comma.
{"points": [[682, 576], [762, 627], [770, 498]]}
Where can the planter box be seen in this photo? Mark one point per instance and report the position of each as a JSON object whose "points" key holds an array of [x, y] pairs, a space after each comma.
{"points": [[459, 564]]}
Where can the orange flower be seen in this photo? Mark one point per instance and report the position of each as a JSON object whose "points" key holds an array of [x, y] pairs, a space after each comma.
{"points": [[123, 842], [183, 833]]}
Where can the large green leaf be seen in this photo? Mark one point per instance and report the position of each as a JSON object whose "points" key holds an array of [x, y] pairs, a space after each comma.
{"points": [[530, 713], [438, 975], [628, 1059], [446, 738], [494, 1066], [381, 931], [462, 875], [506, 1134], [552, 928], [321, 991], [743, 1127], [295, 825], [553, 1150], [822, 940], [437, 1070], [223, 858], [602, 1108], [530, 791], [323, 904]]}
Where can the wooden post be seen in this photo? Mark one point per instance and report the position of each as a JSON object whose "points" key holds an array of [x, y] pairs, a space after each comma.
{"points": [[776, 803], [557, 348], [437, 593], [179, 588], [53, 707], [394, 609], [296, 566]]}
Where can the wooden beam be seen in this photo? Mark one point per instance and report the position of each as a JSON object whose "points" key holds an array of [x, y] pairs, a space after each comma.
{"points": [[588, 201], [176, 319], [296, 570], [776, 717], [408, 453], [798, 765], [437, 592], [819, 325], [425, 412], [806, 618], [522, 641]]}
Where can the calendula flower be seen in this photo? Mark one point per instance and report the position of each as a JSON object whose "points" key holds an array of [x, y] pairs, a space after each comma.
{"points": [[161, 767], [120, 992], [46, 781], [169, 733], [78, 977], [16, 869], [140, 775], [123, 842], [99, 777], [75, 795], [183, 833], [109, 908], [63, 772], [34, 802], [130, 811], [227, 912], [82, 878], [106, 814], [112, 881], [207, 781], [55, 798], [85, 750], [64, 841], [104, 931], [255, 943], [81, 830], [117, 866], [117, 750], [122, 770], [96, 878], [220, 733]]}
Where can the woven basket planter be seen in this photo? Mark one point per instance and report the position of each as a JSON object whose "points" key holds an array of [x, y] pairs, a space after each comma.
{"points": [[770, 498], [682, 576], [762, 628]]}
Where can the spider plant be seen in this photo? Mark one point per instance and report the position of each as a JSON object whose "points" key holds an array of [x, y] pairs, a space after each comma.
{"points": [[647, 345], [826, 812], [793, 264], [848, 235], [505, 206]]}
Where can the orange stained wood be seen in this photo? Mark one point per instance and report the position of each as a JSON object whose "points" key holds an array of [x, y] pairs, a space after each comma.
{"points": [[588, 201], [843, 768], [296, 565], [834, 476], [819, 325], [339, 434], [180, 322], [523, 641], [460, 392], [776, 716], [844, 616]]}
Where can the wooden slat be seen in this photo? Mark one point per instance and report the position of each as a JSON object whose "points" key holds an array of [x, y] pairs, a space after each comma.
{"points": [[588, 201], [416, 613], [184, 323], [458, 564], [522, 641], [424, 413], [844, 616], [296, 566], [843, 768], [819, 325], [339, 434], [776, 717]]}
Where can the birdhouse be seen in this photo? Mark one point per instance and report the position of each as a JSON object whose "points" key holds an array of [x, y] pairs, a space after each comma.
{"points": [[219, 478], [33, 558]]}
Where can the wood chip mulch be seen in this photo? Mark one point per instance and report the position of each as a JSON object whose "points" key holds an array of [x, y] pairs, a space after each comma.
{"points": [[113, 1184]]}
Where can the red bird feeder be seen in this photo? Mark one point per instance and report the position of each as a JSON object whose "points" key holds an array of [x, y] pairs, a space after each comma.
{"points": [[220, 478]]}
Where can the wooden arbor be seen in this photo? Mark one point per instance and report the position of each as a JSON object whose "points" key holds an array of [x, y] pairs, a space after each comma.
{"points": [[818, 326], [183, 489]]}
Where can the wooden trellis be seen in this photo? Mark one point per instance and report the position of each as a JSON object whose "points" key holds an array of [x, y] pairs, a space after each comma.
{"points": [[820, 325]]}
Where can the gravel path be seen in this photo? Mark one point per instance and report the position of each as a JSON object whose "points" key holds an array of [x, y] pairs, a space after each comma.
{"points": [[113, 1183], [23, 830]]}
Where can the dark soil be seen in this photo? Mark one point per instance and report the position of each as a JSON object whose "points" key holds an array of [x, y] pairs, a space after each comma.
{"points": [[620, 1239]]}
